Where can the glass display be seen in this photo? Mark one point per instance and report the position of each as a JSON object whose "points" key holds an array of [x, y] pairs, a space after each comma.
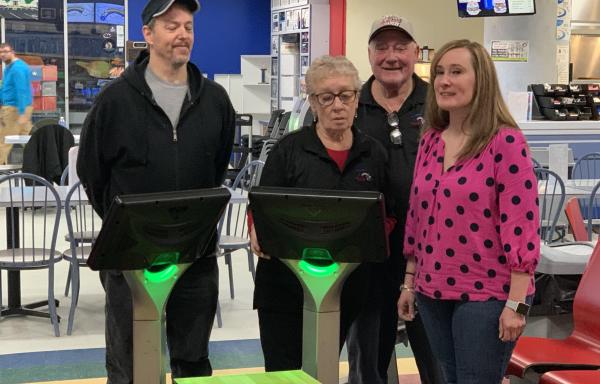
{"points": [[80, 13], [96, 54], [110, 14], [19, 10]]}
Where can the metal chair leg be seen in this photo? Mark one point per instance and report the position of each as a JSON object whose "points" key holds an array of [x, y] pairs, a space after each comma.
{"points": [[230, 268], [251, 266], [219, 318], [68, 280], [74, 298], [1, 305], [51, 300]]}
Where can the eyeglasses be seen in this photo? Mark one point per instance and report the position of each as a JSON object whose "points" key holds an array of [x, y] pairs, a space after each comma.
{"points": [[395, 134], [327, 98]]}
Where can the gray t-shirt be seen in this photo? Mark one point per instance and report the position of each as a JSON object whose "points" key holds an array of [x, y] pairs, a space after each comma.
{"points": [[168, 96]]}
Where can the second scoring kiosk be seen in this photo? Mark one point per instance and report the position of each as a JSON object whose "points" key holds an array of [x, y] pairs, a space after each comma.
{"points": [[322, 236], [153, 238]]}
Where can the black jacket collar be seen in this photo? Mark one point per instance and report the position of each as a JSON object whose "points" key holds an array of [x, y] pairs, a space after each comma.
{"points": [[312, 143], [134, 74]]}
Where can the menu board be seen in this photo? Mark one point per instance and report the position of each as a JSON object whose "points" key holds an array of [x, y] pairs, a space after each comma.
{"points": [[487, 8]]}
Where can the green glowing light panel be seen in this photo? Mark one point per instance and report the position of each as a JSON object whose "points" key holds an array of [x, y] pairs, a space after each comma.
{"points": [[287, 377], [322, 236]]}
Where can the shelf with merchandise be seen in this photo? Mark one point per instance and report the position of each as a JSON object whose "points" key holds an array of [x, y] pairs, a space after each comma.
{"points": [[299, 33]]}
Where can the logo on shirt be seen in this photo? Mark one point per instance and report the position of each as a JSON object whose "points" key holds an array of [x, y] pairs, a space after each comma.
{"points": [[417, 121], [363, 176]]}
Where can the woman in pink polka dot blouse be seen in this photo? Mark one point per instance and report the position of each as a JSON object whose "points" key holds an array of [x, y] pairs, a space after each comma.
{"points": [[472, 233]]}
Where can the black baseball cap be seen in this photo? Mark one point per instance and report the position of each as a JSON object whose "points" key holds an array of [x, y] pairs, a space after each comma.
{"points": [[156, 8]]}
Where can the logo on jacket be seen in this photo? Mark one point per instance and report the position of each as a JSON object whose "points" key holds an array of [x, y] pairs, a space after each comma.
{"points": [[364, 177], [418, 121]]}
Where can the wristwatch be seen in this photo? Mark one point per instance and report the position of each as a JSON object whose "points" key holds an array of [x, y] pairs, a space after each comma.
{"points": [[518, 306]]}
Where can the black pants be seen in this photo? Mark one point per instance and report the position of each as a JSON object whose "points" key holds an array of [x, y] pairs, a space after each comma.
{"points": [[281, 338], [190, 314], [372, 338]]}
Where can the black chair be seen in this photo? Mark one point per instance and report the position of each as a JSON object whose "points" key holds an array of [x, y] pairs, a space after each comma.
{"points": [[257, 141], [282, 127]]}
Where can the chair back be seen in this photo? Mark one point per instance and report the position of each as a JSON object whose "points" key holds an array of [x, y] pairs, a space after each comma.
{"points": [[281, 128], [587, 167], [234, 219], [83, 223], [586, 305], [275, 116], [266, 148], [575, 218], [536, 164], [33, 215], [551, 197], [593, 211], [64, 177], [243, 119]]}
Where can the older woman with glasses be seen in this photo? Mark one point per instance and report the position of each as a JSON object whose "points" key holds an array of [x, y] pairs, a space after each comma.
{"points": [[330, 154]]}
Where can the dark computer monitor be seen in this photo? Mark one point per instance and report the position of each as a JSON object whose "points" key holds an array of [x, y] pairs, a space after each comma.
{"points": [[154, 229], [344, 226]]}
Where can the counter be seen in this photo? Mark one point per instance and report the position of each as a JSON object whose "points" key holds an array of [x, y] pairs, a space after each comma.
{"points": [[582, 136]]}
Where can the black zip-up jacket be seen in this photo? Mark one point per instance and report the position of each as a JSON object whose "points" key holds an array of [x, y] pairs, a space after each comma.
{"points": [[300, 160], [372, 120], [128, 144]]}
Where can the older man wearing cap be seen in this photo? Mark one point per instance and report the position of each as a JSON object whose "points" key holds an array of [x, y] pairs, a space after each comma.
{"points": [[391, 110], [160, 126]]}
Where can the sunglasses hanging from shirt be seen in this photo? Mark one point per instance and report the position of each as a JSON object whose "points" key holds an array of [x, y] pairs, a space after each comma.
{"points": [[395, 134]]}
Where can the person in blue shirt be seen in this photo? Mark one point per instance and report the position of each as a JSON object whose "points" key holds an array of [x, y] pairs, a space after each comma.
{"points": [[16, 97]]}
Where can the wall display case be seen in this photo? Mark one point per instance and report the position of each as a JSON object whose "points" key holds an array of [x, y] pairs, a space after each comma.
{"points": [[299, 33], [96, 38]]}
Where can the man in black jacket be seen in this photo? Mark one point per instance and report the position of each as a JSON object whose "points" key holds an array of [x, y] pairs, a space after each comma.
{"points": [[161, 126], [390, 110]]}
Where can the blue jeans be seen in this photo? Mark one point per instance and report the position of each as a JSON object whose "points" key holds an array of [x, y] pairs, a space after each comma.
{"points": [[464, 337]]}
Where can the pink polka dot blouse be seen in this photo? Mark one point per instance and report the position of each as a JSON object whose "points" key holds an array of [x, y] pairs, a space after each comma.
{"points": [[470, 226]]}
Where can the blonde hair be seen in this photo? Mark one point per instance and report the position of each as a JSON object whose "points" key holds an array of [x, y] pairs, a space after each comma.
{"points": [[327, 66], [488, 110]]}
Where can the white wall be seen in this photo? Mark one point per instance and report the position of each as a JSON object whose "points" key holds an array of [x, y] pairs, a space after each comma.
{"points": [[540, 30], [435, 22]]}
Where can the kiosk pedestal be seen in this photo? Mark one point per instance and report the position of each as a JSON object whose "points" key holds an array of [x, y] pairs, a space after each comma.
{"points": [[321, 317], [322, 236], [153, 239], [149, 293]]}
